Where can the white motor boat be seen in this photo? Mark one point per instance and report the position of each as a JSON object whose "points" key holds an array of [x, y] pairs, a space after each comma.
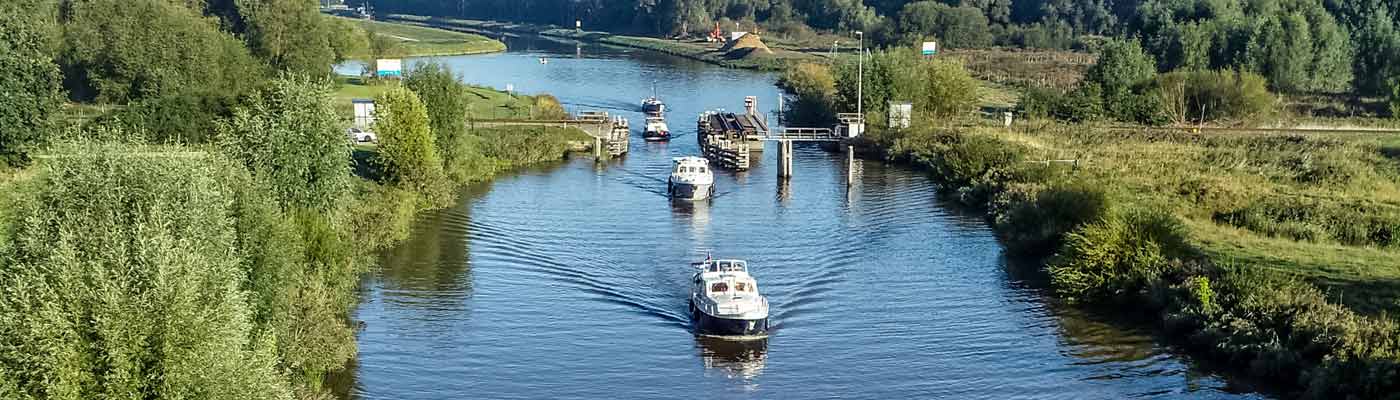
{"points": [[691, 179], [656, 129], [724, 301]]}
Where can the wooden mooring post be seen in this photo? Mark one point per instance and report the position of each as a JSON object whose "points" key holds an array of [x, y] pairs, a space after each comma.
{"points": [[784, 159]]}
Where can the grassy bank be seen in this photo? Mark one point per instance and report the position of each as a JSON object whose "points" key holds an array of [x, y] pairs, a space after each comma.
{"points": [[421, 41], [692, 49], [1274, 253], [483, 102]]}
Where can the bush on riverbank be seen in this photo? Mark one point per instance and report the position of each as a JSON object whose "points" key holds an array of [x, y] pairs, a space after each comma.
{"points": [[123, 279], [407, 151], [1135, 222]]}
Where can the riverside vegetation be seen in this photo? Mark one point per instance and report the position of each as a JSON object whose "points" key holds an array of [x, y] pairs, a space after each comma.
{"points": [[203, 235], [1273, 253]]}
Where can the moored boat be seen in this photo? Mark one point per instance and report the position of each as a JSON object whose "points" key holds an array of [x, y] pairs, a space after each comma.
{"points": [[724, 301], [691, 179]]}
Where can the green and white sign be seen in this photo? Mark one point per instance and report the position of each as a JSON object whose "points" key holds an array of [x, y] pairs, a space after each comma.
{"points": [[930, 48]]}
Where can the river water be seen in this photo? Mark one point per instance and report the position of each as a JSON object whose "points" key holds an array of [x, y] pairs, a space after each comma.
{"points": [[570, 280]]}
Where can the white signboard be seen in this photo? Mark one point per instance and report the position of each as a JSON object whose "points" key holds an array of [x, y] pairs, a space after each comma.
{"points": [[388, 67], [930, 48], [736, 35]]}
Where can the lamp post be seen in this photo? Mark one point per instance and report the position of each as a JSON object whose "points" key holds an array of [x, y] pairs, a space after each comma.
{"points": [[860, 75]]}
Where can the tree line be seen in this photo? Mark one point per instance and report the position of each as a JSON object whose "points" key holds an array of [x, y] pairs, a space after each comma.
{"points": [[1297, 45]]}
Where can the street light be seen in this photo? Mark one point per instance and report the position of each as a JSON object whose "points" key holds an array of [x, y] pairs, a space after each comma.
{"points": [[860, 75]]}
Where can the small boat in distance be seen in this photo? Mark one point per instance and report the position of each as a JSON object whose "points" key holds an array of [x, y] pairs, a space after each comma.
{"points": [[691, 179], [724, 301], [652, 106], [656, 129]]}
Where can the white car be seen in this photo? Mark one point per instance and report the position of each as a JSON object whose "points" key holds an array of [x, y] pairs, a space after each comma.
{"points": [[359, 135]]}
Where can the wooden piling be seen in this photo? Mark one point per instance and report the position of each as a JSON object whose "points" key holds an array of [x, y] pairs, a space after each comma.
{"points": [[784, 159], [850, 164]]}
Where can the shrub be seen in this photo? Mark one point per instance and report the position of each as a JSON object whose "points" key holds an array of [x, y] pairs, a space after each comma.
{"points": [[950, 90], [1121, 254], [185, 118], [407, 152], [1122, 66], [549, 107], [1040, 102], [30, 85], [445, 99], [1038, 222], [813, 88], [147, 234], [291, 136], [1083, 104], [1319, 220], [1214, 96]]}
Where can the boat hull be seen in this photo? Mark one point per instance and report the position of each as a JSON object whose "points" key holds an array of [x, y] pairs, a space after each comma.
{"points": [[688, 191], [710, 325], [656, 136]]}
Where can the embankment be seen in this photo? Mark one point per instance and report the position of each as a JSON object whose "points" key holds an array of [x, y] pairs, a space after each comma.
{"points": [[1275, 254], [422, 41], [691, 49]]}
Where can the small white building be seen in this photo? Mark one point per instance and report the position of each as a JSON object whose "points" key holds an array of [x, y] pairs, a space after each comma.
{"points": [[364, 112], [901, 112]]}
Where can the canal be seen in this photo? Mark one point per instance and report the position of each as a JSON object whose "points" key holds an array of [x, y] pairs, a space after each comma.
{"points": [[570, 280]]}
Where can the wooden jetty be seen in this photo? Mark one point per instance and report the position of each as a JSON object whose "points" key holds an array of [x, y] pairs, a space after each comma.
{"points": [[724, 138], [728, 138]]}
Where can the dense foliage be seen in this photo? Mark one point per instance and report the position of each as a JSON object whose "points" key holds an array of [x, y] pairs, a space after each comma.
{"points": [[1135, 227], [408, 153], [1123, 86], [291, 136], [113, 54], [123, 280], [30, 94], [936, 88], [445, 98]]}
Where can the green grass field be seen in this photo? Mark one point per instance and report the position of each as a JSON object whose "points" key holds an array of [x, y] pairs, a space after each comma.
{"points": [[417, 41], [1319, 206]]}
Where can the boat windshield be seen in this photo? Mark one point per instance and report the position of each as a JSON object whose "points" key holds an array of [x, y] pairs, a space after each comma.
{"points": [[728, 266]]}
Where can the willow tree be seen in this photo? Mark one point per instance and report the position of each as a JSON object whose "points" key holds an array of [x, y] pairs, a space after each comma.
{"points": [[122, 280]]}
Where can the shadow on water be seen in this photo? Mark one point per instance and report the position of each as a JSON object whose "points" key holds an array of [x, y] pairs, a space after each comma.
{"points": [[736, 359]]}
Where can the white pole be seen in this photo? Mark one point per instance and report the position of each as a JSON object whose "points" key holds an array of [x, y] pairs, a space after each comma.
{"points": [[860, 74]]}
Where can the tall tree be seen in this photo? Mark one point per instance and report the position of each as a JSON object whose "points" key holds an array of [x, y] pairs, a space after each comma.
{"points": [[122, 50], [291, 35]]}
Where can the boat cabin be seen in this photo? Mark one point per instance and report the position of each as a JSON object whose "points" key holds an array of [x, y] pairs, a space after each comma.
{"points": [[727, 266], [685, 168]]}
